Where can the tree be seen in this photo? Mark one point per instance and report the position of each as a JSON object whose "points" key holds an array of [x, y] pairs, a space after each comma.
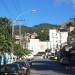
{"points": [[5, 21], [27, 52], [43, 36], [5, 36], [72, 33], [48, 50], [69, 24], [20, 52]]}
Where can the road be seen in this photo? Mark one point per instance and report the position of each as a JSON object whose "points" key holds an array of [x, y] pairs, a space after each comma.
{"points": [[50, 67]]}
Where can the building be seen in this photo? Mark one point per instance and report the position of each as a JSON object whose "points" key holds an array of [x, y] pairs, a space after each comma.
{"points": [[57, 39], [34, 35], [38, 46], [69, 25], [17, 39], [22, 40]]}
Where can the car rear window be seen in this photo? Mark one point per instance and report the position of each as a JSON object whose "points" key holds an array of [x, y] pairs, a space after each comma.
{"points": [[21, 63], [9, 68]]}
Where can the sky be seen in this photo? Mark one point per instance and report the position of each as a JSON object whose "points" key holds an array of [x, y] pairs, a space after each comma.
{"points": [[34, 12]]}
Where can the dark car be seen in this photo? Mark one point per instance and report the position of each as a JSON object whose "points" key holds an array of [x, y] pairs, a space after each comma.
{"points": [[10, 69], [64, 61], [25, 65], [72, 59], [29, 61]]}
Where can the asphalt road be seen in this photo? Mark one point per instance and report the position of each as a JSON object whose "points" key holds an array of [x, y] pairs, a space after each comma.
{"points": [[50, 67]]}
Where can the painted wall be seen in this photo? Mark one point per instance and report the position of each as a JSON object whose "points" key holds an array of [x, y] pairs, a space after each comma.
{"points": [[38, 46]]}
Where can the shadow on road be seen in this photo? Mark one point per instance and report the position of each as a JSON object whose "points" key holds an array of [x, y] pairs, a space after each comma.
{"points": [[53, 66]]}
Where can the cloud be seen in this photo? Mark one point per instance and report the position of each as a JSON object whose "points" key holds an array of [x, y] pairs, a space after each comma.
{"points": [[34, 10], [60, 2]]}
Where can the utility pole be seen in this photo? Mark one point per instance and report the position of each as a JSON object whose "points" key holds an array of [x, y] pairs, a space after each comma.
{"points": [[60, 40], [19, 28], [12, 31], [20, 20]]}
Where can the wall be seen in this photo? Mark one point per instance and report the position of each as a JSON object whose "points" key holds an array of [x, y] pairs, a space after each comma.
{"points": [[38, 46]]}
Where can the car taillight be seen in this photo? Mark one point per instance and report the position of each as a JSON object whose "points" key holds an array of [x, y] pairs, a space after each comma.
{"points": [[18, 73], [25, 70]]}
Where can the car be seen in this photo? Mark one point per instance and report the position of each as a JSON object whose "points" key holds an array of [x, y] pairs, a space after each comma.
{"points": [[64, 61], [24, 65], [10, 69], [29, 61], [37, 57]]}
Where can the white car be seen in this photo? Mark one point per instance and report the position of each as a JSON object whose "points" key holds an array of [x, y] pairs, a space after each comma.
{"points": [[37, 57]]}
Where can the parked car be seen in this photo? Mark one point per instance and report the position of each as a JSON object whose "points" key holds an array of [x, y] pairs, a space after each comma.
{"points": [[24, 65], [10, 69], [30, 61], [37, 57], [64, 61], [72, 60]]}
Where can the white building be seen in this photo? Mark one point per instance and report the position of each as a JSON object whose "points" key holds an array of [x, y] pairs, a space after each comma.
{"points": [[57, 39], [18, 38], [38, 46]]}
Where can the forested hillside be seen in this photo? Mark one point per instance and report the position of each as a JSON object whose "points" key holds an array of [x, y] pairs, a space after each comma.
{"points": [[36, 28]]}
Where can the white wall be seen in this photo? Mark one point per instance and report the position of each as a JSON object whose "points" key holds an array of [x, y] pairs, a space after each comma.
{"points": [[34, 45], [38, 46]]}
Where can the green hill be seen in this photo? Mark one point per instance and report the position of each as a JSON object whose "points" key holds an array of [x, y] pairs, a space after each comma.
{"points": [[36, 28]]}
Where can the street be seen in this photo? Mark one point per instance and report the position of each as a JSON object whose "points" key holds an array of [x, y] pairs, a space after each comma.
{"points": [[50, 67]]}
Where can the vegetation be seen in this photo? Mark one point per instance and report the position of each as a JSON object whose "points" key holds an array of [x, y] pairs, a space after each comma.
{"points": [[48, 50], [6, 41], [43, 36], [72, 33], [42, 30], [20, 52], [36, 28]]}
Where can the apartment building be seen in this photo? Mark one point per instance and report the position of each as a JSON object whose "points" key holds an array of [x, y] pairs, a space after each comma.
{"points": [[57, 39]]}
